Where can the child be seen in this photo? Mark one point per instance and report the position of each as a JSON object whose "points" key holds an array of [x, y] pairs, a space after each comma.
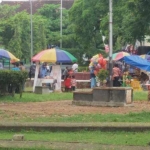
{"points": [[67, 82], [73, 83]]}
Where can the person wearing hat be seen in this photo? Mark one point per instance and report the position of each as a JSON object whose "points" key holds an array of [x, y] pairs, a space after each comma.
{"points": [[75, 67]]}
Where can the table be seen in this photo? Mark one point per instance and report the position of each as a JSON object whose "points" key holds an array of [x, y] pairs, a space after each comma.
{"points": [[43, 80]]}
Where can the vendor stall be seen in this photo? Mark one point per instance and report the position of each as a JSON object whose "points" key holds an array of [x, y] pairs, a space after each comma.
{"points": [[54, 55], [139, 78]]}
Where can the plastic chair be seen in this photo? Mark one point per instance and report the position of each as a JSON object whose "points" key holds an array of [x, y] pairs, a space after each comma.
{"points": [[136, 85]]}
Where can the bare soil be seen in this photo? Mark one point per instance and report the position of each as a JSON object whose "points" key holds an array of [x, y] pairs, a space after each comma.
{"points": [[66, 108]]}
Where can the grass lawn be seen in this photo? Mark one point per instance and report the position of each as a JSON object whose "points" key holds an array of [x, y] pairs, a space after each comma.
{"points": [[32, 97], [114, 138], [131, 117], [140, 95]]}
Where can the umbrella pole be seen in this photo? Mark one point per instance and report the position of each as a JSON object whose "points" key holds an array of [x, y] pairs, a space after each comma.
{"points": [[36, 75]]}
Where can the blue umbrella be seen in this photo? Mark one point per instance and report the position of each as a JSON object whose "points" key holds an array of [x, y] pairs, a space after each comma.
{"points": [[138, 62]]}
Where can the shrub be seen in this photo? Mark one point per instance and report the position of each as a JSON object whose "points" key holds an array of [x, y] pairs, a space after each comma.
{"points": [[12, 78], [102, 75]]}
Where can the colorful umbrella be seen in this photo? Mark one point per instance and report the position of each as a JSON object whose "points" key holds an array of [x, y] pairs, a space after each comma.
{"points": [[119, 55], [54, 55], [147, 57], [8, 55]]}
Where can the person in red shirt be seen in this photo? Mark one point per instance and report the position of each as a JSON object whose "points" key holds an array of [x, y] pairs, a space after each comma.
{"points": [[73, 83], [67, 83], [116, 75]]}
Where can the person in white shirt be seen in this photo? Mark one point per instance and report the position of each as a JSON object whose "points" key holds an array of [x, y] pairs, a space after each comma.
{"points": [[75, 67]]}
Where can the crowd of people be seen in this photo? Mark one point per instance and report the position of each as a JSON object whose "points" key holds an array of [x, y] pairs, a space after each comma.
{"points": [[122, 76], [69, 77]]}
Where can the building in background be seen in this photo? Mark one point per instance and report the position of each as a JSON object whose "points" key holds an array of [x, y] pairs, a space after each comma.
{"points": [[36, 4]]}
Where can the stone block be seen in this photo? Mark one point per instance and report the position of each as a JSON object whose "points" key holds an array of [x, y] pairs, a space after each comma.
{"points": [[41, 89], [18, 137], [82, 96], [107, 96], [29, 83], [101, 95]]}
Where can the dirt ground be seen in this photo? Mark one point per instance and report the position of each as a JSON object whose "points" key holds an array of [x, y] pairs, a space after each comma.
{"points": [[36, 109], [66, 108]]}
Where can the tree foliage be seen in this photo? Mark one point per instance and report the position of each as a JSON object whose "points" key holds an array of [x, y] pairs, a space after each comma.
{"points": [[82, 27]]}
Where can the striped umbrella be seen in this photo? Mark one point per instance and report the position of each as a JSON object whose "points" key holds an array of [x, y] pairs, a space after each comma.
{"points": [[119, 55], [54, 55], [8, 55]]}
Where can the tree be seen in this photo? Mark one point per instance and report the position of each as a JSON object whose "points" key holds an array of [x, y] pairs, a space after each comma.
{"points": [[85, 17], [16, 34]]}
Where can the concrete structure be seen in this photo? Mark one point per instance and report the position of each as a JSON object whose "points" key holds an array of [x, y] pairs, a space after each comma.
{"points": [[41, 89], [108, 96]]}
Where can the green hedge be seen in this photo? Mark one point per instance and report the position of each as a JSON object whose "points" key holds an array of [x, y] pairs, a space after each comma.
{"points": [[83, 68], [15, 79]]}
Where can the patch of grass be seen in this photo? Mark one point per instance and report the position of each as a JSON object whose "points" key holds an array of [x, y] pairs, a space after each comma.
{"points": [[140, 95], [114, 138], [79, 118], [131, 117], [32, 97]]}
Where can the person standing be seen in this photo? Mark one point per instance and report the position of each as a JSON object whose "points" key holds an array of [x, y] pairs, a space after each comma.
{"points": [[22, 67], [116, 75], [92, 77], [75, 67], [43, 70], [65, 73], [16, 67], [32, 70], [67, 83], [73, 83]]}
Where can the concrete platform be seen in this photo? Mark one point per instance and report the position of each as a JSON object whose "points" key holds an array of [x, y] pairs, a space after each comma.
{"points": [[104, 96]]}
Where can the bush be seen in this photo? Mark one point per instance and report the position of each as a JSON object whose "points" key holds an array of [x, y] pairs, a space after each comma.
{"points": [[12, 78], [102, 75]]}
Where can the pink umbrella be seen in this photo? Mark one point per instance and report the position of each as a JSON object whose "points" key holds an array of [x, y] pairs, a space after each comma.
{"points": [[119, 55]]}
